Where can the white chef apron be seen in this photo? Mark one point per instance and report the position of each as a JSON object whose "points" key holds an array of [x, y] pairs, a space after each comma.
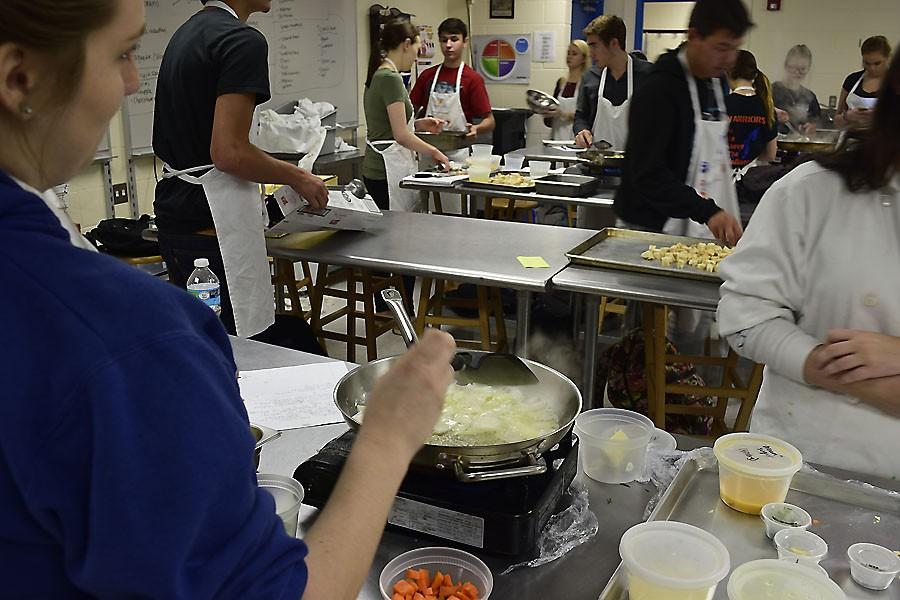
{"points": [[856, 101], [447, 106], [562, 128], [709, 171], [239, 216], [399, 162], [611, 122]]}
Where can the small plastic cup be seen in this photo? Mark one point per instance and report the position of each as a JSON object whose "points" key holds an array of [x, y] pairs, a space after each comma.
{"points": [[872, 566], [754, 470], [675, 561], [779, 515], [495, 161], [513, 162], [800, 546], [480, 172], [770, 578], [612, 444], [538, 168], [482, 149], [460, 565], [288, 495]]}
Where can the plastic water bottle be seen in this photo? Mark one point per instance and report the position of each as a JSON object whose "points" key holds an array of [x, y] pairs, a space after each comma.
{"points": [[204, 285]]}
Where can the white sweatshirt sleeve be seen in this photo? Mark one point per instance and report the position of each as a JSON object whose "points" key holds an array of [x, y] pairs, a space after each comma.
{"points": [[780, 345], [764, 284]]}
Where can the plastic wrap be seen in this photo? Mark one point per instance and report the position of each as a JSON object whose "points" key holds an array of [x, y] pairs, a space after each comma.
{"points": [[565, 530], [662, 466]]}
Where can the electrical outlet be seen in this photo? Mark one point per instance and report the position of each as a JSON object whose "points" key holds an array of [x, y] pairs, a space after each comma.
{"points": [[120, 193]]}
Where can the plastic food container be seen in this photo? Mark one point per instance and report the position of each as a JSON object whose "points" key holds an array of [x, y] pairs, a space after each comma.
{"points": [[482, 149], [872, 566], [800, 546], [612, 444], [288, 494], [770, 579], [480, 172], [779, 515], [538, 168], [513, 162], [672, 561], [754, 470], [460, 565]]}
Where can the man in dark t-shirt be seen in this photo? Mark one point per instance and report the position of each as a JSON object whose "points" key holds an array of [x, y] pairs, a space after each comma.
{"points": [[214, 73]]}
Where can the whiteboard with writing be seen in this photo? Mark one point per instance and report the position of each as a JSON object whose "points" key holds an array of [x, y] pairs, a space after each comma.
{"points": [[312, 53]]}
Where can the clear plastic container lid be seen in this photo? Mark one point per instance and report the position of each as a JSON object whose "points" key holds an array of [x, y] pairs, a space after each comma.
{"points": [[772, 579], [201, 262], [674, 555], [757, 455]]}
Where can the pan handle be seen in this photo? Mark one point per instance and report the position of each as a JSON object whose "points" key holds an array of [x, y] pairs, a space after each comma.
{"points": [[395, 302], [535, 466]]}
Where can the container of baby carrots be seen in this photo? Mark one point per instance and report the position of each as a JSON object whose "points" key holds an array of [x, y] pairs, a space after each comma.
{"points": [[436, 573]]}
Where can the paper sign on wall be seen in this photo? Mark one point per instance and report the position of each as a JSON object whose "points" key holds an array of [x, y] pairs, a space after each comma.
{"points": [[544, 46], [503, 58]]}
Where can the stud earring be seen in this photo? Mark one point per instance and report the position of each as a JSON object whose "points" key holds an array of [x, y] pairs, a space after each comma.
{"points": [[25, 109]]}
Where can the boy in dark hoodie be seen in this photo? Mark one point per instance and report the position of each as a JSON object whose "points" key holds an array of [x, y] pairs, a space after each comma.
{"points": [[662, 126]]}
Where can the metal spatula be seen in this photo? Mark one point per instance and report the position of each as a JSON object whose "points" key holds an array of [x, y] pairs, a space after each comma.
{"points": [[487, 368]]}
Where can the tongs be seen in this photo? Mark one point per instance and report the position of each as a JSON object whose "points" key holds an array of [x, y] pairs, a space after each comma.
{"points": [[488, 368]]}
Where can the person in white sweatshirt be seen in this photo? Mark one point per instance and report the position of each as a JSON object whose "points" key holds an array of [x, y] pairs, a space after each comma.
{"points": [[813, 291]]}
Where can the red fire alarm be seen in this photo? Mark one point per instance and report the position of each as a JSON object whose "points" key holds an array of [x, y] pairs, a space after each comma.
{"points": [[773, 4]]}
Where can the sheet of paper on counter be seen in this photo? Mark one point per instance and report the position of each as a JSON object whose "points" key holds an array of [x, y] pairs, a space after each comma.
{"points": [[533, 262], [292, 397]]}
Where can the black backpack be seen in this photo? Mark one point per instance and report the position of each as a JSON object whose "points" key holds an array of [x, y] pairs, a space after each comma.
{"points": [[122, 237]]}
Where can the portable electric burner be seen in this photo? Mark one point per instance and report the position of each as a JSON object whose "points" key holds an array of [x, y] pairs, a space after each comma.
{"points": [[504, 516]]}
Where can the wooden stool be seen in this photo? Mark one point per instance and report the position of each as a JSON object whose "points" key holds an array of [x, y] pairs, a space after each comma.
{"points": [[375, 324], [505, 209], [287, 287], [731, 385], [610, 306], [430, 313]]}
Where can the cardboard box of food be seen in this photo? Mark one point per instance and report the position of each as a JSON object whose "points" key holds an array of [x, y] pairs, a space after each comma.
{"points": [[344, 211]]}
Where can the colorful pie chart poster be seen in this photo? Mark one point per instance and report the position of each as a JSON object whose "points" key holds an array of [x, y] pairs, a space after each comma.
{"points": [[503, 58]]}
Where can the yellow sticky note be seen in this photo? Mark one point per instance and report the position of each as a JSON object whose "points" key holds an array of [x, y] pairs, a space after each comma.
{"points": [[533, 262]]}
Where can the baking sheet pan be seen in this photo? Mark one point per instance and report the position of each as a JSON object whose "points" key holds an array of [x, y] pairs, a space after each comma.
{"points": [[616, 248], [843, 513]]}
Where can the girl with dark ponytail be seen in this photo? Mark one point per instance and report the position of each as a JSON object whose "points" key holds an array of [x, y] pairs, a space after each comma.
{"points": [[752, 131]]}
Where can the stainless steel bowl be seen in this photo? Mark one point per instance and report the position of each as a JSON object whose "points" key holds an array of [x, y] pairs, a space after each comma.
{"points": [[540, 102]]}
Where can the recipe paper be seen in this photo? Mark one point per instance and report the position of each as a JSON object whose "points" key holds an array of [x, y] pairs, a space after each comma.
{"points": [[292, 397]]}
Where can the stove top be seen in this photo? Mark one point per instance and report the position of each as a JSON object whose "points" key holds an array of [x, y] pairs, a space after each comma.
{"points": [[503, 516]]}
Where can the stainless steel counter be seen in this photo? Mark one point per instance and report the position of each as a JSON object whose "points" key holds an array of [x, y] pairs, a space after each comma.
{"points": [[468, 250], [595, 282], [580, 575]]}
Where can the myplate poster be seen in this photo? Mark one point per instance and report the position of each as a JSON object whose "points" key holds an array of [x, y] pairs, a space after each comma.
{"points": [[503, 58]]}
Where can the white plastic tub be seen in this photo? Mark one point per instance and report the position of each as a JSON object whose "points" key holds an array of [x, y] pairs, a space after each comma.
{"points": [[755, 470]]}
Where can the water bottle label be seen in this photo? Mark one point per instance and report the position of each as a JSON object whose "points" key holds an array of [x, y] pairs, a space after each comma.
{"points": [[207, 295]]}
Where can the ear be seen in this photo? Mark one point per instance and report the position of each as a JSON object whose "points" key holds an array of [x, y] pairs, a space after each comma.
{"points": [[693, 35], [18, 76]]}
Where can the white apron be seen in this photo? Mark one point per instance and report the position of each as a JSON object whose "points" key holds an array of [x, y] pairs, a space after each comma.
{"points": [[856, 101], [562, 129], [709, 171], [448, 106], [399, 162], [611, 122], [239, 216]]}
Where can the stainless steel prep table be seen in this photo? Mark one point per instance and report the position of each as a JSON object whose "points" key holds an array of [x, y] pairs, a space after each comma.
{"points": [[654, 289], [468, 250], [580, 575], [602, 199]]}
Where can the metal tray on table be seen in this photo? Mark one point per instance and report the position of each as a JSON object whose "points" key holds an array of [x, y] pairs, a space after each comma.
{"points": [[615, 248], [565, 184], [446, 141], [843, 513]]}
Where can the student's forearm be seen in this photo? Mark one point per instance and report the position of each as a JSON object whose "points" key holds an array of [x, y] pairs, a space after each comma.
{"points": [[486, 126], [882, 393], [252, 164], [343, 540], [413, 142]]}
